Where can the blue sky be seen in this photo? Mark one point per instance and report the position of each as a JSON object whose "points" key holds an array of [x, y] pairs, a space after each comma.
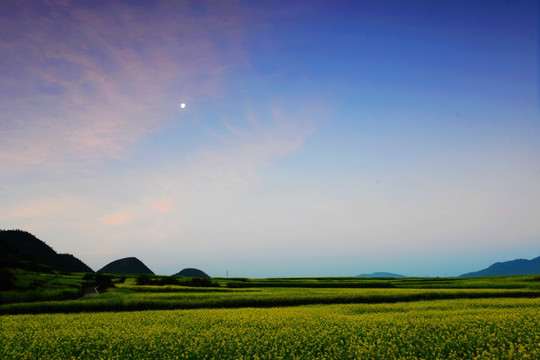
{"points": [[318, 138]]}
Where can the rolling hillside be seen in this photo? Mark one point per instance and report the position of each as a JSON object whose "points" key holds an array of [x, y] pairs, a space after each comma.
{"points": [[129, 265], [22, 249], [190, 272], [513, 267]]}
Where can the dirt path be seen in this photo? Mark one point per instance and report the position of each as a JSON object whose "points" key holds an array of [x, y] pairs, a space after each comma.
{"points": [[89, 291]]}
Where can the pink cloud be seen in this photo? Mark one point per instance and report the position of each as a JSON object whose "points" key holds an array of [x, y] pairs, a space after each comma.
{"points": [[117, 75], [118, 219], [163, 205]]}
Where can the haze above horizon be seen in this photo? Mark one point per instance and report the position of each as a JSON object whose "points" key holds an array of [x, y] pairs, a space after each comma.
{"points": [[317, 138]]}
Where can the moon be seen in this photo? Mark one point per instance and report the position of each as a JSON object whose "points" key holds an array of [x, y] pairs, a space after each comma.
{"points": [[182, 105]]}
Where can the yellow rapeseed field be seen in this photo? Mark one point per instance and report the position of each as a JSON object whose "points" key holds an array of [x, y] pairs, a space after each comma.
{"points": [[440, 329]]}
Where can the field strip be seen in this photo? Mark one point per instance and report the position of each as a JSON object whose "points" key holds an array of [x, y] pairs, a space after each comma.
{"points": [[168, 301]]}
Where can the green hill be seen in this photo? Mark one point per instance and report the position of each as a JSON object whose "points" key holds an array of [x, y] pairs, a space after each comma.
{"points": [[129, 265], [22, 249], [191, 272]]}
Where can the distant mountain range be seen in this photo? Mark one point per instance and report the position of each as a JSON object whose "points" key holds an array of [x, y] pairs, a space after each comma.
{"points": [[381, 274], [192, 273], [513, 267], [129, 265], [22, 249]]}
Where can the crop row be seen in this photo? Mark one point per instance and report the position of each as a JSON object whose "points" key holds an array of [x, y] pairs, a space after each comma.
{"points": [[442, 329], [127, 300]]}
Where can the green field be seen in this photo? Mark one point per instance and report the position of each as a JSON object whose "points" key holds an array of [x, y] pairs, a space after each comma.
{"points": [[332, 318]]}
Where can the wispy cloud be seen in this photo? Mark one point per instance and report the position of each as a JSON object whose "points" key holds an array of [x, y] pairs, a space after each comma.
{"points": [[86, 84]]}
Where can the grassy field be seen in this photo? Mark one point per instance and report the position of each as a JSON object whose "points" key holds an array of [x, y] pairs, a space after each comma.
{"points": [[32, 286], [127, 295], [309, 318], [120, 299], [494, 282]]}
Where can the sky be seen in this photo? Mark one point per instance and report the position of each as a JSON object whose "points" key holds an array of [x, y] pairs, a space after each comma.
{"points": [[318, 138]]}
